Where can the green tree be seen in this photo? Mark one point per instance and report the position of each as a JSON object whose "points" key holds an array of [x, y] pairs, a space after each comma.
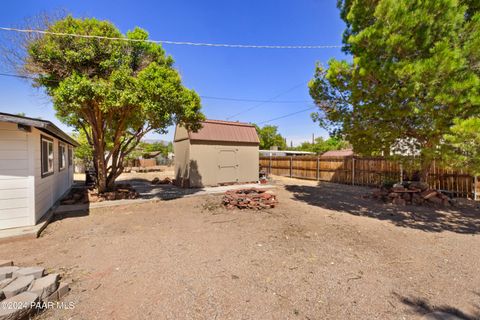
{"points": [[269, 137], [462, 145], [84, 152], [415, 68], [321, 145], [114, 91]]}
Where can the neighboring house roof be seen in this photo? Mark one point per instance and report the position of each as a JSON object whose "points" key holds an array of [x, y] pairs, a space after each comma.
{"points": [[225, 131], [43, 125], [338, 153]]}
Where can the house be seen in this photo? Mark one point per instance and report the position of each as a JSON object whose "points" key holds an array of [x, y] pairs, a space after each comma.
{"points": [[36, 168], [221, 152]]}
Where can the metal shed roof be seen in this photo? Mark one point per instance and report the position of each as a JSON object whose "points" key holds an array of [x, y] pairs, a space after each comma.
{"points": [[338, 153], [225, 131], [40, 124]]}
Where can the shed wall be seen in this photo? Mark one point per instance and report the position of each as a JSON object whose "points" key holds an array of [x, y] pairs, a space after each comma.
{"points": [[206, 161], [182, 161]]}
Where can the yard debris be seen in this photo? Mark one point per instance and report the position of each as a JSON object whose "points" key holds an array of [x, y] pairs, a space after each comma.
{"points": [[250, 198], [84, 195], [166, 180], [26, 293], [411, 193]]}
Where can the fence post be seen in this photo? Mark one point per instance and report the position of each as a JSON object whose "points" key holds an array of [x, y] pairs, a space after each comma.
{"points": [[401, 173], [318, 168], [291, 160], [353, 170], [270, 164], [475, 183]]}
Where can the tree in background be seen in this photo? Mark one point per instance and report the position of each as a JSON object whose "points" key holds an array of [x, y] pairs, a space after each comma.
{"points": [[113, 91], [84, 152], [269, 137], [462, 145], [321, 145], [415, 69]]}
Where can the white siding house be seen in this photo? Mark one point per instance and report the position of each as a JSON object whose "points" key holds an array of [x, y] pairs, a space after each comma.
{"points": [[32, 179]]}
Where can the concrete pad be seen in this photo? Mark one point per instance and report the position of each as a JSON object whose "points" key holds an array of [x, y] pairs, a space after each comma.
{"points": [[37, 272], [6, 263], [17, 286], [7, 272], [21, 306], [438, 315], [45, 286]]}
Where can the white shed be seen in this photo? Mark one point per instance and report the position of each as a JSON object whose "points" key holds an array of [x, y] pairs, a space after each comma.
{"points": [[36, 168]]}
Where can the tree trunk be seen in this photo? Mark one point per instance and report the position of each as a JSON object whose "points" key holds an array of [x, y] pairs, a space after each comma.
{"points": [[426, 164]]}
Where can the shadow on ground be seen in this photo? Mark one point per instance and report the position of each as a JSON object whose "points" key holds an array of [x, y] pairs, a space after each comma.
{"points": [[421, 306], [350, 199], [147, 190]]}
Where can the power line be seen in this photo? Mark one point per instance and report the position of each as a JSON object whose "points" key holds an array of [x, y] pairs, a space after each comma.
{"points": [[253, 100], [186, 43], [267, 101], [287, 115]]}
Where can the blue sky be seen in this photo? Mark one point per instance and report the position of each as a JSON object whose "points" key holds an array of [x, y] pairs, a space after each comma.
{"points": [[218, 72]]}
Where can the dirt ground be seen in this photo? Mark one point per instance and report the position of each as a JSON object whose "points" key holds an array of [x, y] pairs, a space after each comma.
{"points": [[324, 253]]}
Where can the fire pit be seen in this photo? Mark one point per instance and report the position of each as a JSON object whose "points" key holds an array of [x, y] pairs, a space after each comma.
{"points": [[251, 198]]}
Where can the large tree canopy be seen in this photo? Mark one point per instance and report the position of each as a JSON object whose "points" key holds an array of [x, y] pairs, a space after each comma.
{"points": [[114, 91], [415, 68]]}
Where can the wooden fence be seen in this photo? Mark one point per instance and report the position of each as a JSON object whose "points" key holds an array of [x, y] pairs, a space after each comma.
{"points": [[364, 171]]}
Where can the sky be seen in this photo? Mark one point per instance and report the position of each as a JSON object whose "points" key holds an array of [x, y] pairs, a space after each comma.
{"points": [[256, 74]]}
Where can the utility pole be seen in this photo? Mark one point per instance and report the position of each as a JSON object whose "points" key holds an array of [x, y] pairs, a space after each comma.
{"points": [[313, 138]]}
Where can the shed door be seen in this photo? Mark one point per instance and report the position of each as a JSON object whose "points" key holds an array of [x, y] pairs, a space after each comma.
{"points": [[227, 165]]}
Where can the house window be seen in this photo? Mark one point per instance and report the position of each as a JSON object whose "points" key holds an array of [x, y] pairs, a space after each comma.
{"points": [[46, 156], [62, 156], [70, 156]]}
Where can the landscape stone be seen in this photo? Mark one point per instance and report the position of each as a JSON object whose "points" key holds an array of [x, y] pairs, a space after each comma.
{"points": [[17, 286], [45, 286], [7, 272], [62, 290], [37, 272], [5, 282], [23, 306], [6, 263]]}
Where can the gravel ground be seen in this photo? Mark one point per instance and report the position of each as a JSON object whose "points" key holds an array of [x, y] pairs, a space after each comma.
{"points": [[325, 252]]}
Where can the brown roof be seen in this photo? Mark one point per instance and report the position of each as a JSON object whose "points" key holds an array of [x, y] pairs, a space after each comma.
{"points": [[338, 153], [225, 131]]}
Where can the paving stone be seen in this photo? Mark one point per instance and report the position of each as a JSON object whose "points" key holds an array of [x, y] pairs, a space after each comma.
{"points": [[5, 282], [18, 307], [7, 272], [6, 263], [438, 315], [45, 286], [62, 290], [37, 272], [17, 286]]}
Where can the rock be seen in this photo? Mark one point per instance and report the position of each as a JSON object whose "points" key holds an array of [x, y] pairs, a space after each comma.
{"points": [[393, 195], [62, 290], [422, 186], [397, 185], [45, 286], [21, 306], [427, 194], [155, 180], [399, 201], [5, 282], [398, 189], [37, 272], [6, 263], [438, 315], [7, 272], [17, 286]]}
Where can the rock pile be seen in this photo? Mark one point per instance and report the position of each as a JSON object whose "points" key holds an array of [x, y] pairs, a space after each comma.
{"points": [[24, 291], [122, 191], [251, 198], [417, 193], [166, 180]]}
